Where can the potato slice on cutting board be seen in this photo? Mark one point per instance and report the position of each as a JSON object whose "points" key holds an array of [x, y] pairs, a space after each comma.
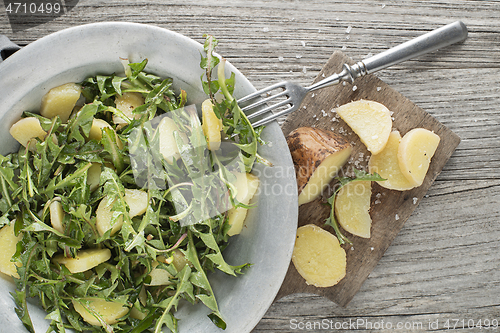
{"points": [[318, 156], [415, 152], [246, 187], [370, 120], [8, 243], [109, 311], [211, 125], [352, 208], [60, 101], [26, 129], [386, 164], [84, 260], [318, 256]]}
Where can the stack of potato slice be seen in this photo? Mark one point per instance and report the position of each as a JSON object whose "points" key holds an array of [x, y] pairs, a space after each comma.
{"points": [[402, 161]]}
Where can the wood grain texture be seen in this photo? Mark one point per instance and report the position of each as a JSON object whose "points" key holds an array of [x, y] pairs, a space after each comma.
{"points": [[389, 209], [443, 264]]}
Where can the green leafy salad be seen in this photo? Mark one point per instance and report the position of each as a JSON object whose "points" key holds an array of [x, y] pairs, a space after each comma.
{"points": [[113, 215]]}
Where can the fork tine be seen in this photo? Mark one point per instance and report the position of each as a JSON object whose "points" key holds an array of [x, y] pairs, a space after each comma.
{"points": [[273, 116], [269, 108], [263, 101], [261, 92]]}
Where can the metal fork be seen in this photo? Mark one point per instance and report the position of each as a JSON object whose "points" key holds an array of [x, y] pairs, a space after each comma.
{"points": [[294, 93]]}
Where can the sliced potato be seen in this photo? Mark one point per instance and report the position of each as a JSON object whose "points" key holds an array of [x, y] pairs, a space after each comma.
{"points": [[109, 311], [318, 256], [8, 242], [127, 103], [352, 208], [60, 101], [104, 215], [415, 152], [94, 176], [386, 164], [84, 260], [137, 201], [211, 125], [370, 120], [26, 129], [246, 187], [56, 215], [318, 156], [168, 145], [159, 276], [179, 260], [96, 129]]}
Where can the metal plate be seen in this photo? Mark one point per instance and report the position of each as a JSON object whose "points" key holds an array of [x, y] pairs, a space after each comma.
{"points": [[267, 240]]}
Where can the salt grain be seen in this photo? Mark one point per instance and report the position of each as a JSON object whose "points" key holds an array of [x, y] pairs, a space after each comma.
{"points": [[312, 95], [280, 58], [344, 48], [304, 70], [303, 43], [266, 29], [348, 30], [372, 248], [396, 217], [378, 195], [415, 200], [347, 37], [379, 88], [354, 88], [383, 5], [377, 201], [298, 56]]}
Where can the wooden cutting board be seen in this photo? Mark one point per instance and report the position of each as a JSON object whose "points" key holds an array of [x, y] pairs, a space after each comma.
{"points": [[389, 209]]}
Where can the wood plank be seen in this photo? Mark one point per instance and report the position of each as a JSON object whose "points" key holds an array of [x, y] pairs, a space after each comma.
{"points": [[389, 209]]}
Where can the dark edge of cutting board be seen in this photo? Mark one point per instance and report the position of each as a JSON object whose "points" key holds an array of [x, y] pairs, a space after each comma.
{"points": [[389, 209]]}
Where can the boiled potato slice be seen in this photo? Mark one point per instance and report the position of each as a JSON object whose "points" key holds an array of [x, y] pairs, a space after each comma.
{"points": [[318, 257], [94, 176], [84, 260], [415, 152], [126, 103], [57, 216], [179, 260], [8, 242], [370, 120], [159, 277], [352, 207], [137, 201], [386, 164], [246, 187], [109, 311], [168, 145], [26, 129], [96, 129], [211, 125], [317, 156], [60, 101], [104, 215]]}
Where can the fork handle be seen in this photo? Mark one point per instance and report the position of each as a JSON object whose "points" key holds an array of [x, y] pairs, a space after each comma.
{"points": [[431, 41]]}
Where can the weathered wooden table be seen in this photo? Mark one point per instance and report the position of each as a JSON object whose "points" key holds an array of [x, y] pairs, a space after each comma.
{"points": [[442, 270]]}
